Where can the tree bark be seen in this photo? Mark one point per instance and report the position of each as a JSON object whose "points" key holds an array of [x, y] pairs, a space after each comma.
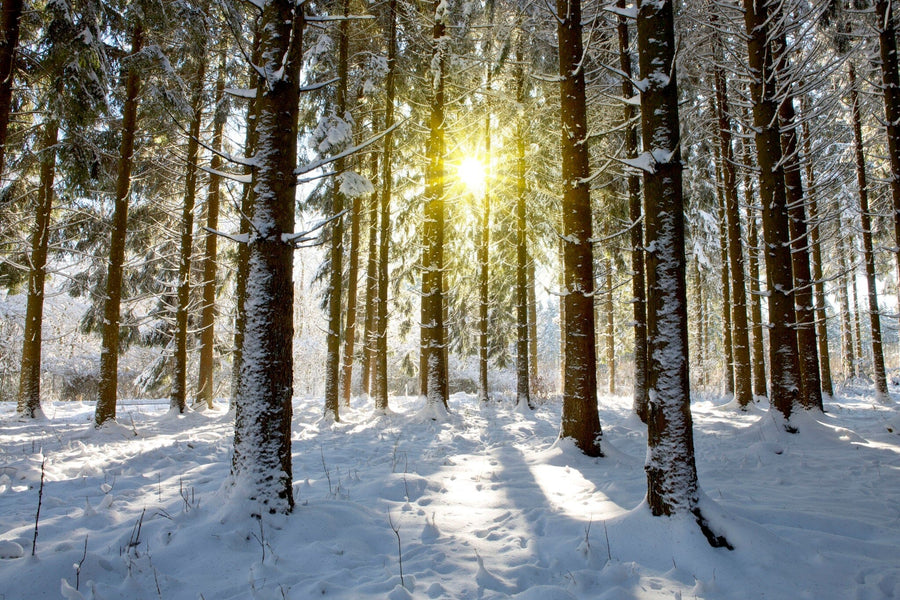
{"points": [[638, 284], [815, 247], [725, 279], [370, 336], [381, 373], [261, 465], [352, 277], [743, 391], [783, 354], [672, 486], [890, 82], [758, 347], [881, 389], [206, 369], [523, 358], [336, 274], [109, 348], [29, 400], [178, 398], [248, 202], [848, 359], [10, 15], [580, 418]]}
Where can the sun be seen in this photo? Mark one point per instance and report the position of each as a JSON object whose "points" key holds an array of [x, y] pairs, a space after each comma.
{"points": [[471, 174]]}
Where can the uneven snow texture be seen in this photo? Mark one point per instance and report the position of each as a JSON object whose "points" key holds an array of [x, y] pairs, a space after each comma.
{"points": [[487, 504]]}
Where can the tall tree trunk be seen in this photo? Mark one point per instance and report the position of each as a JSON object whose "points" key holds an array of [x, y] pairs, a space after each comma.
{"points": [[740, 341], [860, 360], [783, 359], [335, 290], [523, 363], [701, 322], [29, 400], [725, 279], [672, 486], [370, 337], [206, 369], [848, 359], [881, 389], [562, 316], [434, 332], [580, 418], [811, 387], [261, 465], [178, 398], [10, 14], [757, 351], [381, 374], [815, 247], [890, 82], [109, 348], [610, 333], [352, 277], [532, 329], [248, 202], [484, 248], [638, 284]]}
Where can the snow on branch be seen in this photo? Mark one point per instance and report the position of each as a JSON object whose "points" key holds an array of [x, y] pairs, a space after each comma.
{"points": [[312, 166]]}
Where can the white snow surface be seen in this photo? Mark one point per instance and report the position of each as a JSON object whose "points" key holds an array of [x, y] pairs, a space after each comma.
{"points": [[487, 504]]}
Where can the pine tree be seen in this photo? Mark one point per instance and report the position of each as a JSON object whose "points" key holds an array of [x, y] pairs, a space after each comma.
{"points": [[580, 419], [261, 464]]}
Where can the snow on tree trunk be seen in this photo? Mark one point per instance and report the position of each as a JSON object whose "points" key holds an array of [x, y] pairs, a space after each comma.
{"points": [[109, 348], [580, 419], [261, 465], [671, 472]]}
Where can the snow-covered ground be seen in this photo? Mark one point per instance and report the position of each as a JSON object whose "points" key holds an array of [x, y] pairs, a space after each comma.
{"points": [[485, 505]]}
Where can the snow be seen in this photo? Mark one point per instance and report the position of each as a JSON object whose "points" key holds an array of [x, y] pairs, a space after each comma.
{"points": [[486, 503]]}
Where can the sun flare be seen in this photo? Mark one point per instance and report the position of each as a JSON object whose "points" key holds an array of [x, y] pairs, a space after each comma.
{"points": [[471, 174]]}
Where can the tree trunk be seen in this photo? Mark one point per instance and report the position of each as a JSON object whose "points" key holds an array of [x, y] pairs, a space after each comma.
{"points": [[381, 374], [610, 334], [849, 361], [890, 82], [261, 464], [810, 384], [672, 486], [370, 337], [740, 341], [638, 284], [352, 277], [29, 400], [881, 389], [725, 280], [336, 274], [9, 43], [434, 332], [701, 322], [532, 330], [109, 348], [523, 364], [580, 418], [248, 202], [178, 398], [816, 260], [758, 348], [783, 360], [206, 369]]}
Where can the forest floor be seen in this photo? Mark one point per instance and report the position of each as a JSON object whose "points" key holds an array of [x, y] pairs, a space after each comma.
{"points": [[486, 504]]}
